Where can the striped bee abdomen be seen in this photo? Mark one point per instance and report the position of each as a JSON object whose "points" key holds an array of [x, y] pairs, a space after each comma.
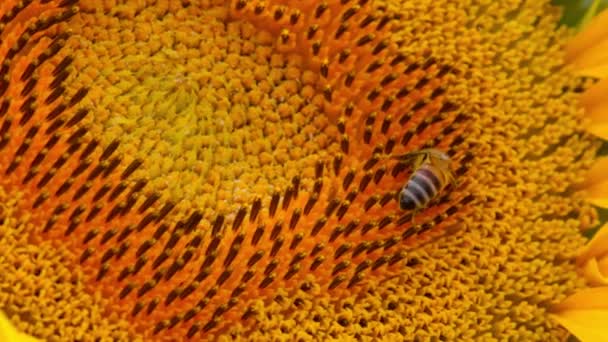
{"points": [[422, 186]]}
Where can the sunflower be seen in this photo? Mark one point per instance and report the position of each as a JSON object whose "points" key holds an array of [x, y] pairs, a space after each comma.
{"points": [[231, 169]]}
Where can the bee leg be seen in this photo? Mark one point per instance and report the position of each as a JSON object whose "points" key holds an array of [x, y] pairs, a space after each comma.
{"points": [[414, 212], [453, 180]]}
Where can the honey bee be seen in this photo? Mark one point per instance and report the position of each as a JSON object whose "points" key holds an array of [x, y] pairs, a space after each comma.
{"points": [[431, 174]]}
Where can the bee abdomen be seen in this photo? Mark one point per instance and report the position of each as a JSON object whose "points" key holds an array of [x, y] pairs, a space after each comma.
{"points": [[420, 189], [427, 175], [408, 200]]}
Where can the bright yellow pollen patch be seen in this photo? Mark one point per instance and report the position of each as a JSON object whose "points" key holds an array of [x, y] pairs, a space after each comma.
{"points": [[217, 116]]}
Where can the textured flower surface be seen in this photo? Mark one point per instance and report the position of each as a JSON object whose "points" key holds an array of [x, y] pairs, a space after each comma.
{"points": [[214, 169]]}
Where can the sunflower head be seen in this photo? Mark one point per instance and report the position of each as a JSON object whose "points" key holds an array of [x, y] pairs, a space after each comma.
{"points": [[233, 168]]}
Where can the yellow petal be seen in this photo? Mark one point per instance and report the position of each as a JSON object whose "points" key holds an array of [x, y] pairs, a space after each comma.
{"points": [[595, 186], [600, 130], [593, 61], [596, 248], [600, 69], [598, 194], [8, 333], [589, 38], [595, 273], [594, 298], [595, 103], [597, 174], [585, 314], [595, 95], [602, 266]]}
